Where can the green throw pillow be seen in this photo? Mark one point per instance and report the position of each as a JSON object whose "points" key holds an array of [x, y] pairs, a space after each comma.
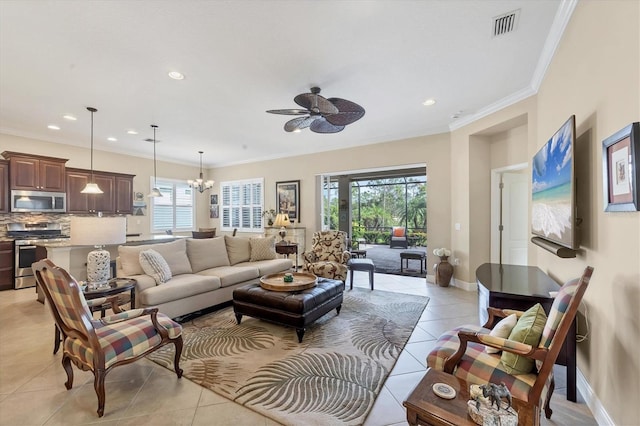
{"points": [[528, 330]]}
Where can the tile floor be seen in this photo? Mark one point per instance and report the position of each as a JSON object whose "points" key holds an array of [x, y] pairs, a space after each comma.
{"points": [[32, 380]]}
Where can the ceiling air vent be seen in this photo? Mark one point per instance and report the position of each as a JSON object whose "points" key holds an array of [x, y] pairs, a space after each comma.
{"points": [[505, 23]]}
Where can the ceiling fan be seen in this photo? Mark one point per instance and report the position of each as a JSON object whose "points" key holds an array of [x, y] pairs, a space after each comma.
{"points": [[321, 115]]}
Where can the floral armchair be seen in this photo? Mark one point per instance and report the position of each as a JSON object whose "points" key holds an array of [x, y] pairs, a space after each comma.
{"points": [[100, 345], [328, 255]]}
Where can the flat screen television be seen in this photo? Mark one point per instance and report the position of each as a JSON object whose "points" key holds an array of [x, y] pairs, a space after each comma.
{"points": [[553, 211]]}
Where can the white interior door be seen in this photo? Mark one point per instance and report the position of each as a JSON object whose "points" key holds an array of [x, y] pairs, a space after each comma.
{"points": [[511, 207]]}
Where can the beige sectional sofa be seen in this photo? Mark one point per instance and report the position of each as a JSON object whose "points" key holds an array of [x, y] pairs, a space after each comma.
{"points": [[204, 272]]}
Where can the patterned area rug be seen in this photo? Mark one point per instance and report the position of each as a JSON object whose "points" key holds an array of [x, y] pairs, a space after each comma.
{"points": [[332, 377]]}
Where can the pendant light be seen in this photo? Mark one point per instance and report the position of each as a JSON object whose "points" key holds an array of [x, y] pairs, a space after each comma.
{"points": [[155, 192], [199, 184], [91, 188]]}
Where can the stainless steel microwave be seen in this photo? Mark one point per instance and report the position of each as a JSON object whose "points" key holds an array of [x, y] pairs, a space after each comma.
{"points": [[38, 201]]}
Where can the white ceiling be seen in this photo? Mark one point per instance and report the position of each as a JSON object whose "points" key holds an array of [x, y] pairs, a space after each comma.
{"points": [[241, 58]]}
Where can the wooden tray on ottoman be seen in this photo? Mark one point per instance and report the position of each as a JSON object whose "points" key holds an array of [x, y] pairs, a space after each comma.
{"points": [[301, 281]]}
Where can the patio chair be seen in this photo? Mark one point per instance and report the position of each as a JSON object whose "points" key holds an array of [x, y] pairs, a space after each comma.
{"points": [[463, 350], [399, 237], [328, 255], [101, 345]]}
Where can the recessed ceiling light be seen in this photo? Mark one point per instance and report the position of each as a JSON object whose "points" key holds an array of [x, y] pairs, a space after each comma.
{"points": [[112, 139], [176, 75], [429, 102], [69, 117], [132, 132], [53, 127]]}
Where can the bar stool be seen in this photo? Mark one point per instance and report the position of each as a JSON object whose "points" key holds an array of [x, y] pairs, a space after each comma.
{"points": [[361, 265]]}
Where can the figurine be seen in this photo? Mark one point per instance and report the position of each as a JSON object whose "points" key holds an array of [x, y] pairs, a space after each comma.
{"points": [[494, 393]]}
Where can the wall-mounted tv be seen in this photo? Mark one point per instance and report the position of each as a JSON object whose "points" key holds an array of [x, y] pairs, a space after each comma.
{"points": [[553, 212]]}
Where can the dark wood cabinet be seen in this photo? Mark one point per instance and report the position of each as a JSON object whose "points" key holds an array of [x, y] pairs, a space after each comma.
{"points": [[6, 265], [117, 196], [4, 186], [35, 172]]}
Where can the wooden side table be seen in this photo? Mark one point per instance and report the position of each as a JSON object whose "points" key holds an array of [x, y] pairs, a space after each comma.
{"points": [[288, 249], [426, 408]]}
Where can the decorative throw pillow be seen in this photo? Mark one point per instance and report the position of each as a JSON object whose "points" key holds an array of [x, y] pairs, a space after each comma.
{"points": [[503, 330], [398, 231], [238, 249], [262, 248], [528, 330], [207, 253], [155, 266]]}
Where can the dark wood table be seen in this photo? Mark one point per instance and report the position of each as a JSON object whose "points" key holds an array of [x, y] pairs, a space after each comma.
{"points": [[520, 287], [115, 286], [426, 408], [287, 249]]}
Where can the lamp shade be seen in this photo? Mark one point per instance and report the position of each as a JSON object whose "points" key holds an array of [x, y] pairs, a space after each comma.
{"points": [[282, 219], [98, 231]]}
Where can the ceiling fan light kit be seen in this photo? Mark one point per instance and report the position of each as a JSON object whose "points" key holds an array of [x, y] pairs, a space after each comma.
{"points": [[320, 115]]}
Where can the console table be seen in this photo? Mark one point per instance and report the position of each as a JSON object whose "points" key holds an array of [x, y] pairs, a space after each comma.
{"points": [[520, 287]]}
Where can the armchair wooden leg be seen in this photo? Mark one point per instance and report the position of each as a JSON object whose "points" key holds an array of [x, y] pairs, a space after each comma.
{"points": [[98, 385], [547, 408], [176, 360], [66, 364]]}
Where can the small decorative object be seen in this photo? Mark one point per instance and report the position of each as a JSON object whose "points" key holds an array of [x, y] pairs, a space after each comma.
{"points": [[443, 270], [269, 215], [621, 175], [486, 406], [443, 390], [288, 277]]}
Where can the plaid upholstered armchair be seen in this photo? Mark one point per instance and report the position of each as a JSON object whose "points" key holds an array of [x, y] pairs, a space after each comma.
{"points": [[328, 255], [100, 345], [463, 350]]}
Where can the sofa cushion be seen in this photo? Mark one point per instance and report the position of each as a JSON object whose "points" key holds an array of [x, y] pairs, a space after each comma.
{"points": [[238, 249], [230, 275], [154, 265], [207, 253], [174, 252], [262, 248], [179, 287], [266, 267]]}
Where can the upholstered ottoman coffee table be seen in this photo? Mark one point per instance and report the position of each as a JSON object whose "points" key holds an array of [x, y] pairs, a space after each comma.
{"points": [[296, 309]]}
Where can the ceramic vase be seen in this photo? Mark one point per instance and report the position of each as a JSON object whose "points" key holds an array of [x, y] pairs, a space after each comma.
{"points": [[444, 271]]}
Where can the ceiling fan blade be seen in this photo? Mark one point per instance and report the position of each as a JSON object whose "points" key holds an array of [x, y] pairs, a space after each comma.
{"points": [[298, 123], [315, 103], [293, 111], [320, 125], [349, 112]]}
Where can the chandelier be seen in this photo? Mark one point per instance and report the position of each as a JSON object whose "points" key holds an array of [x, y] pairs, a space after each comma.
{"points": [[199, 184]]}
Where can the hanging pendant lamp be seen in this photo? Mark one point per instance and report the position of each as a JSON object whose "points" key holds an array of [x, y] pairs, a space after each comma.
{"points": [[155, 192], [199, 184], [91, 188]]}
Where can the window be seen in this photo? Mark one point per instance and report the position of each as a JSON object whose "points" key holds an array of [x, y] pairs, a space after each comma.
{"points": [[174, 210], [242, 204]]}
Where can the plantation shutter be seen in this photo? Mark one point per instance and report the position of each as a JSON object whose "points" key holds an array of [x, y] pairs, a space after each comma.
{"points": [[242, 205]]}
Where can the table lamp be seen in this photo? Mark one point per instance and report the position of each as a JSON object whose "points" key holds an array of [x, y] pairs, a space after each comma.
{"points": [[282, 220], [98, 232]]}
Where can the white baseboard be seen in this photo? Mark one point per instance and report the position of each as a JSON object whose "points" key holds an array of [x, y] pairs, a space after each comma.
{"points": [[464, 285], [591, 399]]}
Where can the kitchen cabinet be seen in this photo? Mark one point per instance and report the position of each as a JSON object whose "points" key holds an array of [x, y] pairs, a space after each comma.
{"points": [[4, 186], [6, 265], [35, 172], [117, 196]]}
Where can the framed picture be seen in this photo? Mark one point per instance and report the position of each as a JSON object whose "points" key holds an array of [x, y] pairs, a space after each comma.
{"points": [[620, 172], [288, 199], [214, 199], [214, 211]]}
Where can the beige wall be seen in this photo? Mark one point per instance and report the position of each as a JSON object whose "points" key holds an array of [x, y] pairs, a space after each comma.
{"points": [[595, 74], [433, 151], [108, 161]]}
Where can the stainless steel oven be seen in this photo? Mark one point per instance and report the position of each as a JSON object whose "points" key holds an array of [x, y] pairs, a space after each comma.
{"points": [[27, 237]]}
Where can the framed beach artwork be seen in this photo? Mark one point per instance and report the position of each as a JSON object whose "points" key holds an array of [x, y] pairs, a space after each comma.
{"points": [[620, 174], [288, 199]]}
